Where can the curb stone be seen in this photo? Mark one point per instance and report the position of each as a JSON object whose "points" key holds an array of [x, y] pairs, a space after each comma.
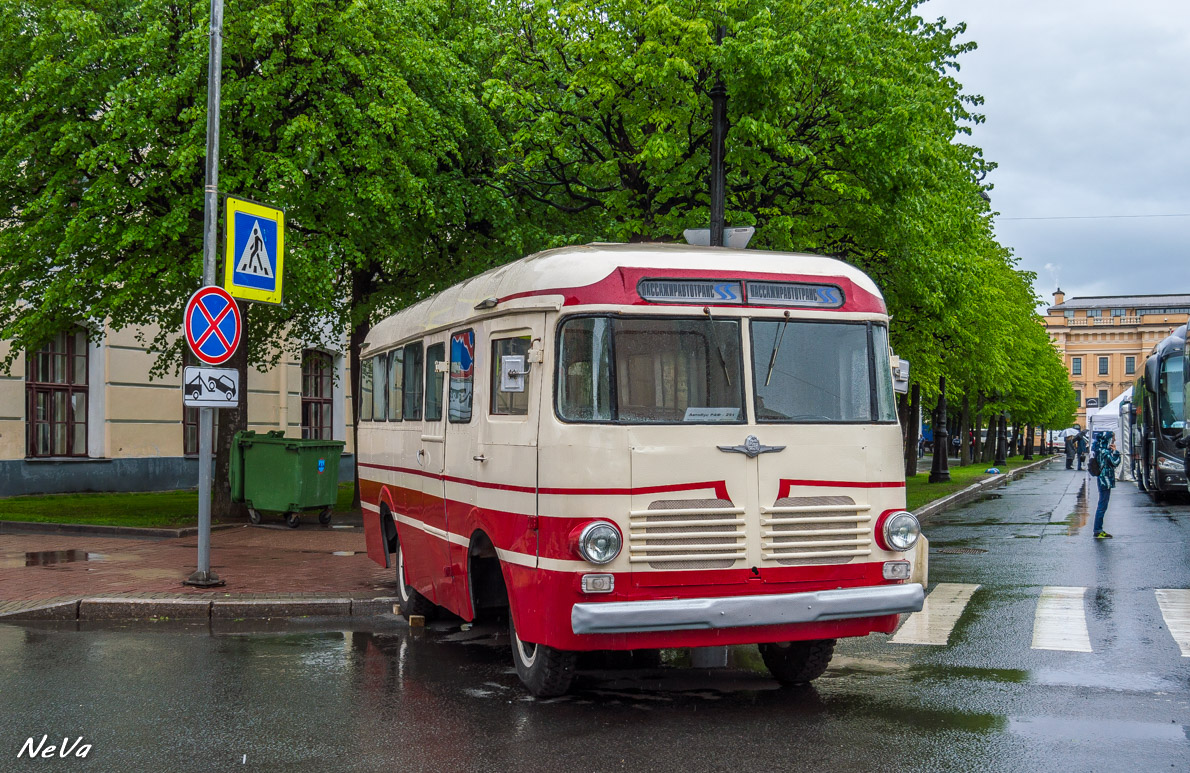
{"points": [[97, 530], [190, 608], [975, 490]]}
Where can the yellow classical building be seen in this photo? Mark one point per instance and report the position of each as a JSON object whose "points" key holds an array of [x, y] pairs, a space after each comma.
{"points": [[1105, 339], [85, 415]]}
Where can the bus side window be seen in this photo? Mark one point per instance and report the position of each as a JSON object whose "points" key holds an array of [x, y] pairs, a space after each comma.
{"points": [[462, 376], [396, 376], [413, 356], [509, 399], [365, 389], [379, 388], [435, 354]]}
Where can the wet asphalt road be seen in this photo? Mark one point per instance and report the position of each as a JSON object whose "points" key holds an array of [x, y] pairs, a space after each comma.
{"points": [[314, 696]]}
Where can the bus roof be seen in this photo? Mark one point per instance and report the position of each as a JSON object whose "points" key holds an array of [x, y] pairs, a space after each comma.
{"points": [[609, 274]]}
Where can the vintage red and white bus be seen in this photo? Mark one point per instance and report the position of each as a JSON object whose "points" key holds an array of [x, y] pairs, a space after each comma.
{"points": [[627, 447]]}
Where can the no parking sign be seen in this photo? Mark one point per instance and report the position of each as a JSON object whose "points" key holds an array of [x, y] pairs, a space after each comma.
{"points": [[213, 325]]}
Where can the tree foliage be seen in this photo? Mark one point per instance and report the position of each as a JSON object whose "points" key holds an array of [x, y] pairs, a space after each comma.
{"points": [[845, 138], [416, 142]]}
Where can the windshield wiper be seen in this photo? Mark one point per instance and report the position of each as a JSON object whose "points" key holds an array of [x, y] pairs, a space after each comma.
{"points": [[776, 348], [718, 349]]}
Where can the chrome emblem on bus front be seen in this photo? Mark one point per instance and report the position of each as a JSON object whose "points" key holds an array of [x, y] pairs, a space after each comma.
{"points": [[752, 448]]}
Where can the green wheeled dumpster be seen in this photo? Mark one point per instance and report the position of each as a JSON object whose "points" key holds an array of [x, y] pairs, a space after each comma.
{"points": [[274, 473]]}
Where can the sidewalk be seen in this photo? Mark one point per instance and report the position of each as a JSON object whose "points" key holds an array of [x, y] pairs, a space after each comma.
{"points": [[269, 572]]}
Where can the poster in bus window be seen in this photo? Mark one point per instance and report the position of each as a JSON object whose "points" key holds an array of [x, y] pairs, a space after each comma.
{"points": [[462, 375]]}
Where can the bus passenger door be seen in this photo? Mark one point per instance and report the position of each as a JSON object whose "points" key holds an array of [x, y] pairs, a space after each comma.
{"points": [[463, 413], [428, 573], [507, 411]]}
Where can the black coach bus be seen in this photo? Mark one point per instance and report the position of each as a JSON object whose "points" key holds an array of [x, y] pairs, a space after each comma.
{"points": [[1160, 416]]}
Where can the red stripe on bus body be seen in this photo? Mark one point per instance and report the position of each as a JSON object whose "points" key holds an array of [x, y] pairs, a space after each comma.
{"points": [[785, 484], [720, 487]]}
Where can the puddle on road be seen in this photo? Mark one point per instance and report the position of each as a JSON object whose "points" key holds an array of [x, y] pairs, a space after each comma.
{"points": [[1077, 521], [51, 557]]}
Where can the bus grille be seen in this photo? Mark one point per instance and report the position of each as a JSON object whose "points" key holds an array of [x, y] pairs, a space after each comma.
{"points": [[815, 530], [694, 534]]}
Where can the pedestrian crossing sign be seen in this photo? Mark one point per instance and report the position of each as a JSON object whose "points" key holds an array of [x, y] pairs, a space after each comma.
{"points": [[255, 251]]}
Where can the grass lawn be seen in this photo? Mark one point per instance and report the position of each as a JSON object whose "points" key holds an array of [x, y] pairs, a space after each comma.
{"points": [[919, 491], [155, 510]]}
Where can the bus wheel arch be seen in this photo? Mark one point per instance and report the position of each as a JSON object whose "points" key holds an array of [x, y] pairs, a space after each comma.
{"points": [[486, 584], [388, 527]]}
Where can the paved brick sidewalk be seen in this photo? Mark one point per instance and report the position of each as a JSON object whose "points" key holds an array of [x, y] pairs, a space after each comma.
{"points": [[255, 562]]}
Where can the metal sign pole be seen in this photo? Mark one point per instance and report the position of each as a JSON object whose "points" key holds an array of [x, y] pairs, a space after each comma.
{"points": [[203, 576]]}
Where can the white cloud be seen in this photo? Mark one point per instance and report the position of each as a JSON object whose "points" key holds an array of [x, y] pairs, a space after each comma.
{"points": [[1087, 107]]}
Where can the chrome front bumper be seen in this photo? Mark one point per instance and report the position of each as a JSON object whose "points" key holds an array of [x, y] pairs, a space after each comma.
{"points": [[743, 611]]}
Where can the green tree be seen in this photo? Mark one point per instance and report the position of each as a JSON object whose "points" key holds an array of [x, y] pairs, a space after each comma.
{"points": [[361, 119]]}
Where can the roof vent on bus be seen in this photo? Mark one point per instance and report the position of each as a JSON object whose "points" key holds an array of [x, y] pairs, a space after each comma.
{"points": [[487, 303], [733, 238]]}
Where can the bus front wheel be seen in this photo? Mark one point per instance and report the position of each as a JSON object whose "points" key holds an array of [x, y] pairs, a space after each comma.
{"points": [[797, 662], [546, 671]]}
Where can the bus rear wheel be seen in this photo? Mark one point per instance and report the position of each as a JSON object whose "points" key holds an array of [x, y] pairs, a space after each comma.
{"points": [[546, 671], [797, 662], [412, 602]]}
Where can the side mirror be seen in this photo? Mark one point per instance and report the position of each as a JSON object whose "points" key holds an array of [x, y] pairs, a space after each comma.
{"points": [[900, 371]]}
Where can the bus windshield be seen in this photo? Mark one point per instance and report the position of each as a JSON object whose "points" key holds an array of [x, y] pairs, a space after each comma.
{"points": [[1171, 399], [649, 370], [821, 372]]}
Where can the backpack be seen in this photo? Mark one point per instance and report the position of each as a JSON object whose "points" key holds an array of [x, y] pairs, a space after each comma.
{"points": [[1093, 466]]}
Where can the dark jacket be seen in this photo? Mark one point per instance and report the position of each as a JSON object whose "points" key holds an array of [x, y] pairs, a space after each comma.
{"points": [[1108, 461]]}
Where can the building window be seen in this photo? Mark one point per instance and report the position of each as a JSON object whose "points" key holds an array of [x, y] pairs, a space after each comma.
{"points": [[1102, 397], [1069, 314], [1129, 365], [317, 379], [1078, 396], [1102, 366], [1093, 312], [1076, 366], [1117, 312], [56, 391]]}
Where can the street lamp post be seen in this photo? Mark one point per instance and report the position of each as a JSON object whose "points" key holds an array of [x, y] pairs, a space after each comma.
{"points": [[718, 151], [940, 469]]}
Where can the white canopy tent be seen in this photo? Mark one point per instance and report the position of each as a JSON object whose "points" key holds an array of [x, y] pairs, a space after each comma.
{"points": [[1107, 418]]}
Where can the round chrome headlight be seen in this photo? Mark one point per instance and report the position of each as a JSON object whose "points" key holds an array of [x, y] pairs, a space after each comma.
{"points": [[599, 542], [901, 531]]}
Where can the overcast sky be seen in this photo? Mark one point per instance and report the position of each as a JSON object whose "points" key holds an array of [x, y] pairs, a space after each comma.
{"points": [[1088, 116]]}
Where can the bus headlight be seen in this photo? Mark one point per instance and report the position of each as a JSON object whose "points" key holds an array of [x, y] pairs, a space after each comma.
{"points": [[897, 530], [599, 542], [1169, 464]]}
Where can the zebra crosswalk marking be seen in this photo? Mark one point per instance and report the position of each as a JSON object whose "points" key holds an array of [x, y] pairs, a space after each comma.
{"points": [[1060, 622], [1175, 608], [938, 616]]}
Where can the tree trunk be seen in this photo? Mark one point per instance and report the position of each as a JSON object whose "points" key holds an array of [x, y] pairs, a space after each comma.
{"points": [[989, 447], [227, 422], [1015, 447]]}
